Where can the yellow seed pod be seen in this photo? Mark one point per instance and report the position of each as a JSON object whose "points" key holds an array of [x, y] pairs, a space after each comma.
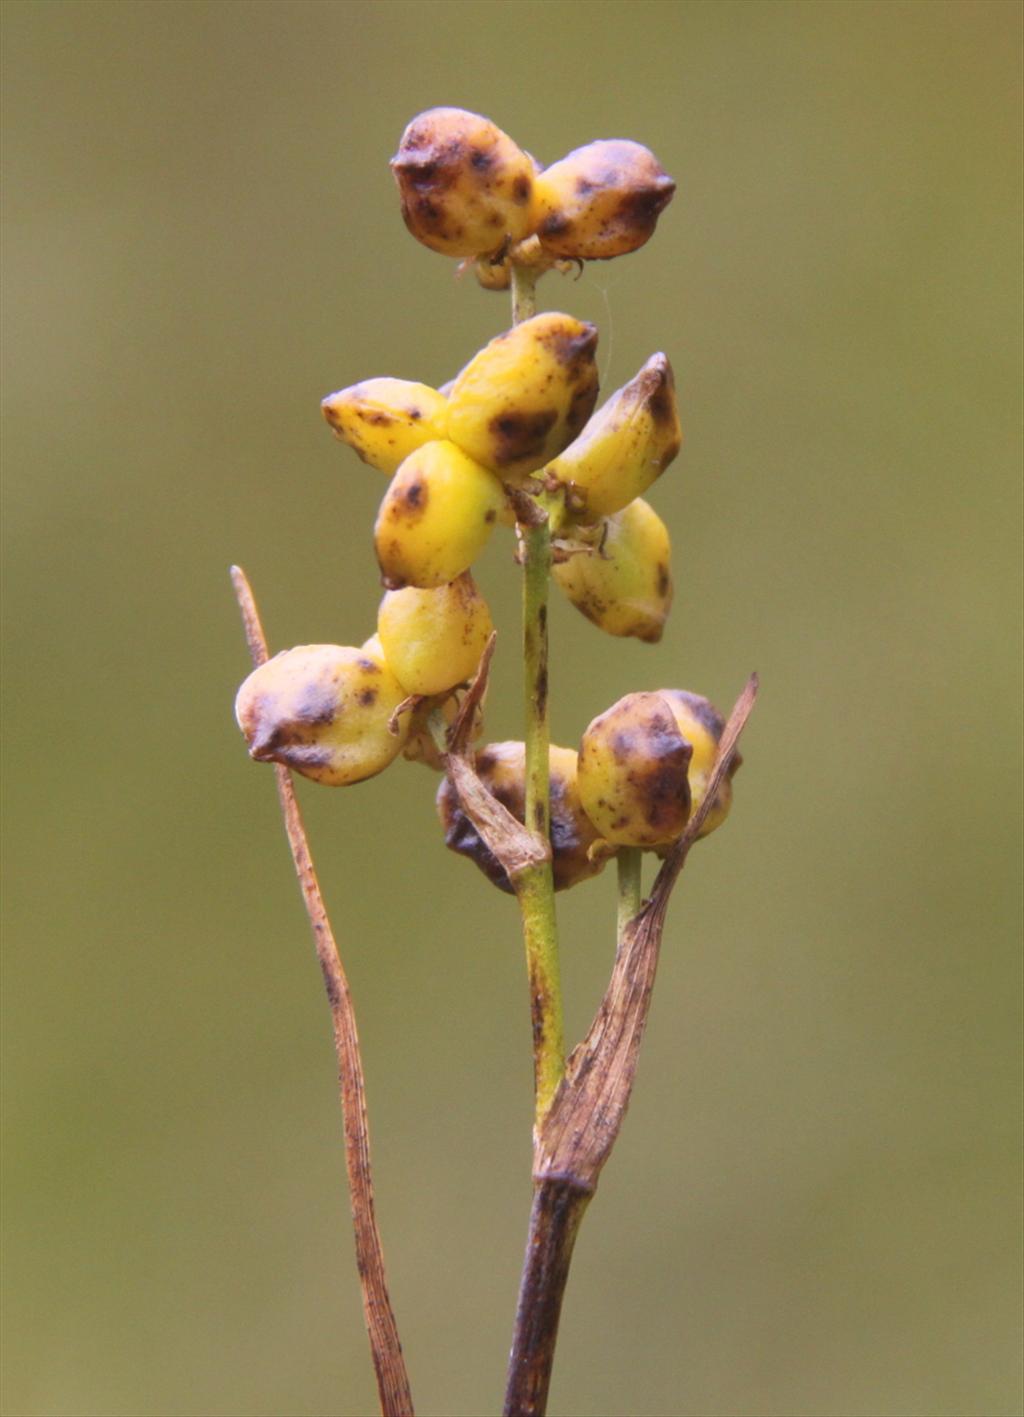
{"points": [[701, 725], [501, 769], [385, 420], [621, 578], [625, 447], [433, 639], [525, 395], [466, 188], [323, 711], [600, 201], [633, 772], [436, 517]]}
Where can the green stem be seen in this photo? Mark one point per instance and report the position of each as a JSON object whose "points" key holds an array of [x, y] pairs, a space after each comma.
{"points": [[535, 889], [524, 294], [630, 863]]}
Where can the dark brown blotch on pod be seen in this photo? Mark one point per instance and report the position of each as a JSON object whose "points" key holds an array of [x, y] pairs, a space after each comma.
{"points": [[574, 350], [411, 502], [581, 406], [702, 709], [318, 705], [656, 387], [500, 767], [656, 762], [520, 434]]}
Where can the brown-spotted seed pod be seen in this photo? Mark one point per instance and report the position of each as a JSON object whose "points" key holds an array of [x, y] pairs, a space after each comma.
{"points": [[466, 187], [644, 766], [625, 447], [433, 639], [618, 573], [436, 517], [633, 772], [384, 420], [602, 200], [501, 769], [323, 710], [525, 395]]}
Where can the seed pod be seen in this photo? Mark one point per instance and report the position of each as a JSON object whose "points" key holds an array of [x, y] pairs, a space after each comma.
{"points": [[433, 639], [702, 725], [525, 395], [465, 186], [385, 420], [501, 769], [644, 767], [436, 517], [633, 772], [323, 711], [621, 580], [626, 446], [600, 201]]}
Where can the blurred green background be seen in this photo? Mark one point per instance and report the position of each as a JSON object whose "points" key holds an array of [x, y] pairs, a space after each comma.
{"points": [[813, 1208]]}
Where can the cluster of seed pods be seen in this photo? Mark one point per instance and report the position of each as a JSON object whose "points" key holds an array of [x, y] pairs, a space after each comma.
{"points": [[518, 420]]}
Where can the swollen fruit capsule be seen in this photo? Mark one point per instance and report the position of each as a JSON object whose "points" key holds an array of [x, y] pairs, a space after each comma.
{"points": [[600, 201], [385, 420], [627, 444], [644, 766], [525, 395], [323, 711], [433, 639], [466, 187], [621, 579], [436, 517], [500, 767], [634, 772]]}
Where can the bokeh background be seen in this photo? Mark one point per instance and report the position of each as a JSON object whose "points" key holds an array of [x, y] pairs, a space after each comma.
{"points": [[813, 1208]]}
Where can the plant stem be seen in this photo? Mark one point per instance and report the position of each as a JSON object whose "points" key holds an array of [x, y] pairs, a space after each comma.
{"points": [[630, 863], [535, 888], [524, 293], [389, 1365], [555, 1217]]}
